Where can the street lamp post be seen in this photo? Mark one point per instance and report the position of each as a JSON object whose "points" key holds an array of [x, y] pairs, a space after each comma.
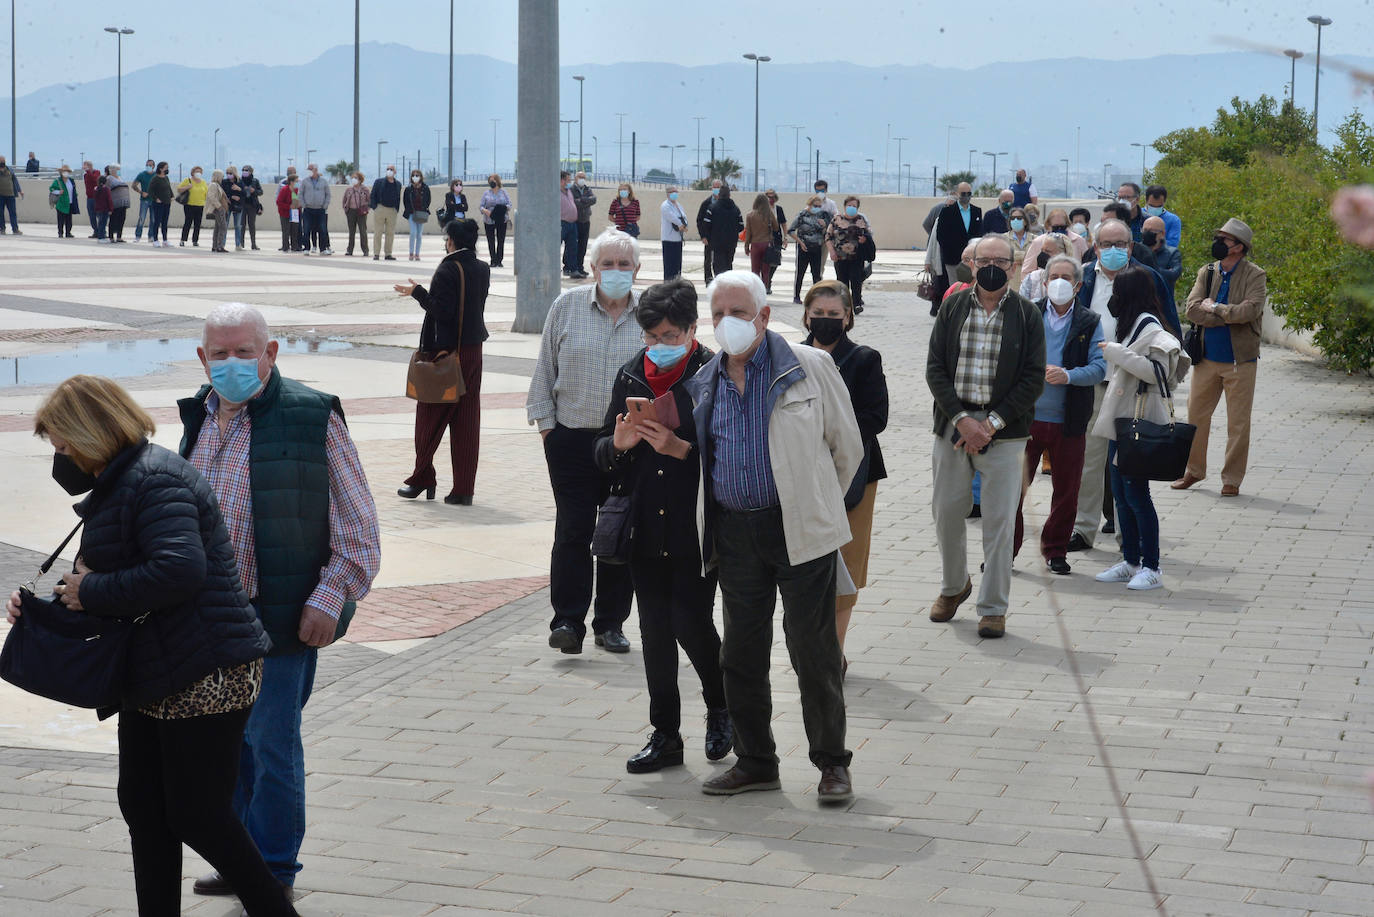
{"points": [[698, 119], [595, 156], [994, 162], [1293, 55], [494, 122], [808, 162], [581, 81], [1318, 21], [148, 153], [899, 162], [672, 160], [949, 133], [757, 59], [1143, 148], [119, 33], [279, 172], [357, 83], [1105, 167], [871, 176], [620, 145], [796, 153], [570, 122], [380, 144], [215, 144], [1065, 161], [14, 140], [970, 161]]}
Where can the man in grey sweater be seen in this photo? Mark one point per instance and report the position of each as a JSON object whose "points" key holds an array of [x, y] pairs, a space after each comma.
{"points": [[315, 212]]}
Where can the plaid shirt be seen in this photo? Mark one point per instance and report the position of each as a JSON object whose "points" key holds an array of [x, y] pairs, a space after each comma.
{"points": [[579, 356], [354, 539], [980, 344]]}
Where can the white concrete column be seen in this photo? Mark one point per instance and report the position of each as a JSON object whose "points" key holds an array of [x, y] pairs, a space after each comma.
{"points": [[538, 277]]}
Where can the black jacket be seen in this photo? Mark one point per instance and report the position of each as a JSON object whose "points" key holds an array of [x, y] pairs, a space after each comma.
{"points": [[951, 234], [703, 224], [252, 194], [662, 489], [233, 192], [440, 302], [385, 194], [453, 207], [156, 544], [861, 368], [1078, 399], [724, 223], [415, 198]]}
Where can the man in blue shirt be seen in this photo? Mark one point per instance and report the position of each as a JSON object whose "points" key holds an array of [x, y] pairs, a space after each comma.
{"points": [[1155, 196], [145, 203]]}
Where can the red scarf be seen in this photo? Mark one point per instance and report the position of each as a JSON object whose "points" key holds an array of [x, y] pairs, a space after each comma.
{"points": [[662, 380]]}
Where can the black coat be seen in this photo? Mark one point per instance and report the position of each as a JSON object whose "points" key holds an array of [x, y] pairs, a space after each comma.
{"points": [[415, 197], [440, 302], [156, 544], [662, 489], [233, 192], [861, 368], [951, 234], [453, 207], [725, 223]]}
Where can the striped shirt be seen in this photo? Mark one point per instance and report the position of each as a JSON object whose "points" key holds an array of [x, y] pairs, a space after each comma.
{"points": [[742, 473], [581, 351], [980, 344], [354, 538]]}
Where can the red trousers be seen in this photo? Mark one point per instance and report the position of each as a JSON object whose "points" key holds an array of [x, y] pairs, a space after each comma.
{"points": [[757, 264], [1066, 468], [462, 421]]}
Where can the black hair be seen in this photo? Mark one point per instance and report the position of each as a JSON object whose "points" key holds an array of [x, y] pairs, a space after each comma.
{"points": [[463, 233], [564, 174], [674, 300], [822, 182], [161, 167], [1086, 213], [1120, 211], [1132, 185], [1157, 191], [724, 192], [1134, 292]]}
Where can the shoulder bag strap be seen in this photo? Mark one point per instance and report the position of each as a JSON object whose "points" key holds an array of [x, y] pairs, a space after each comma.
{"points": [[52, 558], [462, 301]]}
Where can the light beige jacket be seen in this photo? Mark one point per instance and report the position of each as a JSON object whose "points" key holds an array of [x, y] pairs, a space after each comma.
{"points": [[1129, 366], [215, 199]]}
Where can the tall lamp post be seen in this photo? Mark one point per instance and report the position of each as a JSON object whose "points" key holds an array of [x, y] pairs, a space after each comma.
{"points": [[620, 145], [1065, 161], [14, 140], [1143, 148], [970, 161], [899, 162], [494, 122], [870, 175], [380, 144], [357, 90], [796, 152], [1293, 56], [1318, 21], [570, 122], [119, 32], [812, 182], [672, 156], [279, 172], [215, 144], [581, 83], [757, 59], [148, 152], [1105, 167], [994, 162], [698, 119]]}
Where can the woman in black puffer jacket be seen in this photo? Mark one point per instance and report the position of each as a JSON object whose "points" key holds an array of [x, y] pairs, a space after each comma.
{"points": [[154, 545]]}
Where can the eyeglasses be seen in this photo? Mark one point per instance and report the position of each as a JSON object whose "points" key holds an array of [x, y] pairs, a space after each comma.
{"points": [[1059, 229], [1104, 244], [672, 338], [1003, 263]]}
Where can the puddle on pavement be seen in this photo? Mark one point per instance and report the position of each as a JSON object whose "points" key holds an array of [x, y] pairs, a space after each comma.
{"points": [[123, 359]]}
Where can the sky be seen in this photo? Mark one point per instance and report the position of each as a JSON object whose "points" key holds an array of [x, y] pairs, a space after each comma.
{"points": [[70, 46]]}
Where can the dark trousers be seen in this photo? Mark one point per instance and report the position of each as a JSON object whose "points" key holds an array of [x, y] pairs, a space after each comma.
{"points": [[192, 223], [102, 219], [314, 229], [8, 206], [1108, 498], [675, 605], [1066, 470], [672, 260], [579, 488], [568, 235], [357, 222], [176, 785], [496, 242], [850, 272], [290, 235], [64, 224], [722, 260], [462, 420], [584, 235], [708, 262], [1136, 519], [814, 259], [161, 213], [753, 570], [117, 217], [250, 224]]}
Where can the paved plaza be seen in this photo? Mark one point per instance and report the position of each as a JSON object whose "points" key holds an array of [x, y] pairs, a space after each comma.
{"points": [[459, 766]]}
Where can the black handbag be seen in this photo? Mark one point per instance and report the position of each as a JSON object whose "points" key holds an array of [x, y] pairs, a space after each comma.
{"points": [[1157, 452], [772, 255], [614, 526], [1192, 338], [68, 656]]}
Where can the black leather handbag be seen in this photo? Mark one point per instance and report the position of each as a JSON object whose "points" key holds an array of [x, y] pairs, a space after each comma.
{"points": [[1158, 452], [614, 525]]}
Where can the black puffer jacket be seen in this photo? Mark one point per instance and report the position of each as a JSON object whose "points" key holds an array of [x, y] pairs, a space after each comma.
{"points": [[155, 543]]}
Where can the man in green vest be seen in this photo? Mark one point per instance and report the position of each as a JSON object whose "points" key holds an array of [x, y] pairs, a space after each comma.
{"points": [[298, 509]]}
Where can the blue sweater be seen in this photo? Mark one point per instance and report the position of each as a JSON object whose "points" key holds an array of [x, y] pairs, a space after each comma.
{"points": [[1049, 407]]}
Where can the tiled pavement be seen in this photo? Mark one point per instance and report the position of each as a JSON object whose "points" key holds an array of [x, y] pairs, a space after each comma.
{"points": [[478, 772]]}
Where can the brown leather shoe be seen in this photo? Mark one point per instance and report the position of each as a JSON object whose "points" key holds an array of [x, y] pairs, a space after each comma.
{"points": [[1185, 482], [946, 605], [992, 626], [835, 785], [737, 780], [1230, 490]]}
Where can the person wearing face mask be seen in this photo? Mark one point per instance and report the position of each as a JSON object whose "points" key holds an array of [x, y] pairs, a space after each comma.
{"points": [[846, 239], [1021, 237], [217, 210], [289, 210], [654, 462], [194, 208], [997, 221], [455, 203], [160, 193], [90, 175], [704, 225], [1080, 219], [315, 194], [355, 201], [724, 222], [955, 226], [415, 208], [496, 210], [100, 206], [828, 315], [759, 225], [822, 190], [624, 211], [251, 208], [119, 202], [154, 547], [67, 201], [1033, 282], [589, 333], [567, 227], [585, 198], [1074, 366], [1227, 301], [672, 223], [1057, 226], [986, 369], [1168, 261], [1023, 190], [455, 307], [233, 194], [385, 202], [1128, 195], [140, 187], [778, 448], [1155, 198], [808, 231], [304, 531]]}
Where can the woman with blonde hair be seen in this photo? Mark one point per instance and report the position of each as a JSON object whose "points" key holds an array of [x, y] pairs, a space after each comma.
{"points": [[625, 210], [155, 550], [217, 209], [760, 223], [196, 189]]}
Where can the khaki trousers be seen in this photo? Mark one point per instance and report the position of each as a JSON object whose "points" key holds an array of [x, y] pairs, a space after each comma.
{"points": [[1092, 487], [384, 224], [1210, 380], [855, 553], [951, 501]]}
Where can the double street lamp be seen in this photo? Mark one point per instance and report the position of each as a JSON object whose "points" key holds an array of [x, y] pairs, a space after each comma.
{"points": [[581, 84], [1143, 148], [1318, 21], [994, 162], [757, 59], [119, 33], [672, 154]]}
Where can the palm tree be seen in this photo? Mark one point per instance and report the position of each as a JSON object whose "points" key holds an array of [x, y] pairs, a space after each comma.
{"points": [[340, 170], [723, 168]]}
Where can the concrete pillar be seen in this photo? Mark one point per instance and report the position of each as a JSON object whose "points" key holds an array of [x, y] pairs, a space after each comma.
{"points": [[538, 274]]}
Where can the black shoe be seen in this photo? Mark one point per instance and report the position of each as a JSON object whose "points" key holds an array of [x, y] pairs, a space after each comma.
{"points": [[858, 308], [720, 733], [1079, 543], [976, 512], [564, 637], [1059, 565], [212, 883], [1109, 527], [410, 493], [580, 275], [663, 750], [390, 258], [458, 499], [613, 641]]}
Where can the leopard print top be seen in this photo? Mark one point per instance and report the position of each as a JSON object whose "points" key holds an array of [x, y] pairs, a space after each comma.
{"points": [[222, 691]]}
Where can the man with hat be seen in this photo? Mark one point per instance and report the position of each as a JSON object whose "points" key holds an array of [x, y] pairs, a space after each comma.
{"points": [[1227, 301]]}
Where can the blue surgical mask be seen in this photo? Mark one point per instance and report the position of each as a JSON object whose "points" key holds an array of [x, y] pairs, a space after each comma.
{"points": [[817, 210], [851, 211], [665, 355], [1018, 225], [1114, 259], [715, 192], [672, 195], [1153, 211], [616, 284], [624, 193], [235, 379]]}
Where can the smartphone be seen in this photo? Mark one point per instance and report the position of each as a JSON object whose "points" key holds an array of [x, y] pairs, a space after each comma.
{"points": [[640, 409]]}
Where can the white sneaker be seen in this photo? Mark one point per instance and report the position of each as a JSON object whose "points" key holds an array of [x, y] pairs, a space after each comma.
{"points": [[1121, 572], [327, 251], [1146, 579]]}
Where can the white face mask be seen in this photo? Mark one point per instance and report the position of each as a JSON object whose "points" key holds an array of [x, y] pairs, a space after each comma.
{"points": [[415, 179], [736, 335], [353, 180], [1081, 229], [1060, 290], [390, 173]]}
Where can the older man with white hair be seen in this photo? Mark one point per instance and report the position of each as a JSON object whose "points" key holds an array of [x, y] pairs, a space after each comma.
{"points": [[779, 446], [297, 506]]}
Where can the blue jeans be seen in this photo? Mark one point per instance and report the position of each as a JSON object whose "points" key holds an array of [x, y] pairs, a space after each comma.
{"points": [[100, 220], [145, 212], [238, 228], [158, 222], [8, 203], [270, 797], [1136, 518], [309, 218], [568, 237], [417, 231]]}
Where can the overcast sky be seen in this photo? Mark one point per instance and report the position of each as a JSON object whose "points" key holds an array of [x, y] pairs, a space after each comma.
{"points": [[70, 46]]}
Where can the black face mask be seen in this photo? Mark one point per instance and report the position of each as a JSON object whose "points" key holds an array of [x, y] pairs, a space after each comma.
{"points": [[827, 330], [992, 278], [491, 184], [69, 477], [1114, 306], [1220, 249], [1042, 259], [1149, 237]]}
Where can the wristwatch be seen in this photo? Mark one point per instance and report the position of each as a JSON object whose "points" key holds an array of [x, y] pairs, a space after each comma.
{"points": [[996, 422]]}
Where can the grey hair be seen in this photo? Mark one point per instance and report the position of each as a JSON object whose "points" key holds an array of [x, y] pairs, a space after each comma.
{"points": [[217, 175], [612, 238], [236, 315], [739, 280], [1112, 222], [1071, 262]]}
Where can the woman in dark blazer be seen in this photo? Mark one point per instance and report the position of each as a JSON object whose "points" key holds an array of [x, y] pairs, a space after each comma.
{"points": [[655, 463], [828, 316], [154, 549], [459, 274], [725, 222]]}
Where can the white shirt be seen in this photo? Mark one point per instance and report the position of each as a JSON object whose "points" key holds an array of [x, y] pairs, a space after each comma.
{"points": [[1102, 291], [829, 206], [670, 213]]}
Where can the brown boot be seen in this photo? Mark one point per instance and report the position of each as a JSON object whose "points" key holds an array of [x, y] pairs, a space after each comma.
{"points": [[946, 605]]}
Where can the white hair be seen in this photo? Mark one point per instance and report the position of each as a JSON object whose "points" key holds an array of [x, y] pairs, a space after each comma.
{"points": [[217, 175], [1074, 263], [612, 238], [739, 280], [236, 315]]}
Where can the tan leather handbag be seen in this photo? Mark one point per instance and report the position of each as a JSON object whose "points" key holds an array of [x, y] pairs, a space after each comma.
{"points": [[435, 377]]}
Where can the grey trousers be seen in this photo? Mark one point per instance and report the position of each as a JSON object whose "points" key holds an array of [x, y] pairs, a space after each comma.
{"points": [[1092, 487]]}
